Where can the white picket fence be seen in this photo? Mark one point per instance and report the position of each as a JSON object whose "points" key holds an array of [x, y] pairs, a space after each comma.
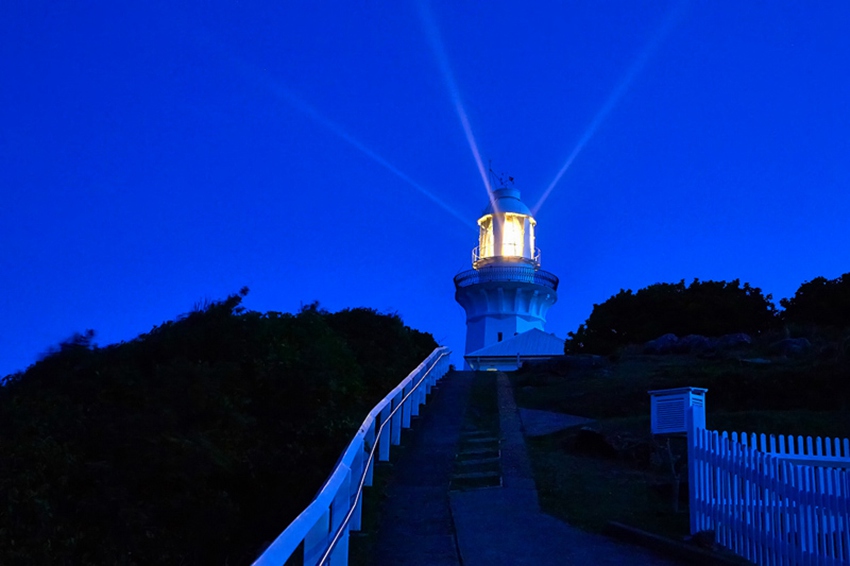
{"points": [[324, 525], [773, 500]]}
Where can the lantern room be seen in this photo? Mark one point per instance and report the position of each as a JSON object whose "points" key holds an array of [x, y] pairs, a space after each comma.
{"points": [[506, 232]]}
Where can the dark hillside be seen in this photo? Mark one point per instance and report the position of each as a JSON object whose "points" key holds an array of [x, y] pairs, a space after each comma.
{"points": [[195, 443]]}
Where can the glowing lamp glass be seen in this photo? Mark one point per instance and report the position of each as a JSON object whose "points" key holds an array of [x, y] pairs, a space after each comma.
{"points": [[513, 235], [485, 236]]}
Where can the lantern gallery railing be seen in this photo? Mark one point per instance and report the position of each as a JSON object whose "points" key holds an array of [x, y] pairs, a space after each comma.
{"points": [[508, 250], [324, 525], [501, 273]]}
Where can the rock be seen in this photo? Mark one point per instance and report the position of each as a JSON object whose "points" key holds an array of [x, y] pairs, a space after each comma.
{"points": [[829, 352], [661, 345], [728, 341], [791, 347], [593, 443], [693, 344], [756, 361]]}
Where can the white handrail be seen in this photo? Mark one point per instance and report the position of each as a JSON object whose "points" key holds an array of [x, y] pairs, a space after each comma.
{"points": [[324, 525]]}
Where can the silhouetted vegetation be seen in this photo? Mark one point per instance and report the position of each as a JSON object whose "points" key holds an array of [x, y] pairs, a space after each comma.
{"points": [[820, 302], [708, 308], [195, 443]]}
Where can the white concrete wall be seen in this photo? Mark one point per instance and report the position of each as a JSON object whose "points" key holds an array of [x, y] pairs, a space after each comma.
{"points": [[506, 307]]}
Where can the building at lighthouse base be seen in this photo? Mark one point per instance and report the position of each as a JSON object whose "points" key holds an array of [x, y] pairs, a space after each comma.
{"points": [[509, 355]]}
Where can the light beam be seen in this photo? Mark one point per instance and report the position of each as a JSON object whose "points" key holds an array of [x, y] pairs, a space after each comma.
{"points": [[296, 102], [615, 96], [436, 43]]}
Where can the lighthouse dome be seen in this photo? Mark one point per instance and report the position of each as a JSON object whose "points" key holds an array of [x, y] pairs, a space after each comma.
{"points": [[507, 200]]}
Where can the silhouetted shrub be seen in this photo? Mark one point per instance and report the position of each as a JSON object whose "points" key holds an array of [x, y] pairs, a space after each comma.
{"points": [[820, 302], [195, 443]]}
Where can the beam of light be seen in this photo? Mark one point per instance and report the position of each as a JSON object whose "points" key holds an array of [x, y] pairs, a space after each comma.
{"points": [[256, 75], [664, 30], [308, 110], [436, 43]]}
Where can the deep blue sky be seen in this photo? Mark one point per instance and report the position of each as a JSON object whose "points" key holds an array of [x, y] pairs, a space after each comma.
{"points": [[153, 154]]}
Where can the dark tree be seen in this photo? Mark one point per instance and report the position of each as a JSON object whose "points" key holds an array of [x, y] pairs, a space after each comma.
{"points": [[820, 302], [709, 308]]}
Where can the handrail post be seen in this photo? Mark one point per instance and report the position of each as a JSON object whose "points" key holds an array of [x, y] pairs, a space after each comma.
{"points": [[395, 421], [368, 443], [316, 539], [407, 407], [356, 472], [418, 398], [384, 437], [339, 509]]}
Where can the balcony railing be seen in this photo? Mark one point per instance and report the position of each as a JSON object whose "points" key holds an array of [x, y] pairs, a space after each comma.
{"points": [[476, 255], [498, 273]]}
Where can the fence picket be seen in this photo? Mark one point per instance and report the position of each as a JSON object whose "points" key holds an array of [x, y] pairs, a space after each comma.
{"points": [[843, 516], [767, 508]]}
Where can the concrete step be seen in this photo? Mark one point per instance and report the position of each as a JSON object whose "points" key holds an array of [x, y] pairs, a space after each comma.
{"points": [[480, 440], [475, 475], [476, 433], [477, 452], [477, 461]]}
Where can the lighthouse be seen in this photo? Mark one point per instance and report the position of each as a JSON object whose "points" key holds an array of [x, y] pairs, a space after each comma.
{"points": [[506, 295]]}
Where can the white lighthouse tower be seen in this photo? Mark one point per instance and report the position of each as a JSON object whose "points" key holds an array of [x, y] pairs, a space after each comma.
{"points": [[506, 295]]}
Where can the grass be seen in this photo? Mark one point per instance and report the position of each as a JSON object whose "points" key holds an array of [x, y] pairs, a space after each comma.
{"points": [[482, 410], [589, 492], [798, 397]]}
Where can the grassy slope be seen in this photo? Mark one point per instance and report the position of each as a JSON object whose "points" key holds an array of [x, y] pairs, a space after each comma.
{"points": [[785, 397]]}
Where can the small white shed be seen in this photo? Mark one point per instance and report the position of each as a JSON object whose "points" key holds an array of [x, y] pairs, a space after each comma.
{"points": [[670, 409]]}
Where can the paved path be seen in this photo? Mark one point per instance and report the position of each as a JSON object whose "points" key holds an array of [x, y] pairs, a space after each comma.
{"points": [[416, 523], [425, 524], [541, 423]]}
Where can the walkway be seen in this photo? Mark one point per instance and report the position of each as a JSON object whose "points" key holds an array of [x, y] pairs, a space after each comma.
{"points": [[424, 523]]}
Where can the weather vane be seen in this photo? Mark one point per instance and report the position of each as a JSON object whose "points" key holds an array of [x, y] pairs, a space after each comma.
{"points": [[500, 177]]}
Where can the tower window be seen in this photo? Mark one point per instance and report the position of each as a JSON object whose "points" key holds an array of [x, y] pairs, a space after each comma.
{"points": [[499, 337]]}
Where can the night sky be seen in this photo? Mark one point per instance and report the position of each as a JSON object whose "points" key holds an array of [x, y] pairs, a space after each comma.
{"points": [[154, 154]]}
